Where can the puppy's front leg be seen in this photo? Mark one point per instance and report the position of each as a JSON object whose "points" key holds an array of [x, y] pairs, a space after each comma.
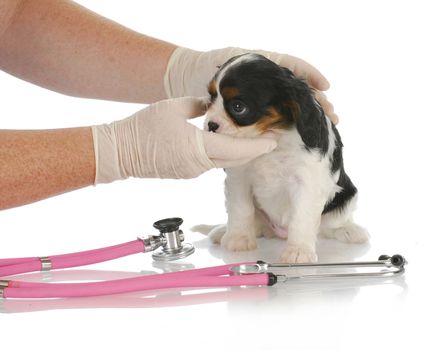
{"points": [[240, 232], [303, 227]]}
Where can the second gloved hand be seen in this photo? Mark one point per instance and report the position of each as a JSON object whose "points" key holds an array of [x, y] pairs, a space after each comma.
{"points": [[189, 72], [158, 142]]}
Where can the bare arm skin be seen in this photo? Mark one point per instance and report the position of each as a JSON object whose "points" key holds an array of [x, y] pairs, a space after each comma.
{"points": [[37, 164], [67, 48], [41, 41]]}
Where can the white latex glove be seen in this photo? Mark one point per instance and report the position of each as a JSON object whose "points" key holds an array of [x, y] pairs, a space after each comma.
{"points": [[158, 142], [189, 72]]}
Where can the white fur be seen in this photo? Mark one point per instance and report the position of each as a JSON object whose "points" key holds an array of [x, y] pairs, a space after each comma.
{"points": [[292, 185]]}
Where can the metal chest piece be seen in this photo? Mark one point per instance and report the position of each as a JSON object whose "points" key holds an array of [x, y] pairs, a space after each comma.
{"points": [[171, 239]]}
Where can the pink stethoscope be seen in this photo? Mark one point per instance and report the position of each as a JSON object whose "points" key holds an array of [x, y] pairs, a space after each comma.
{"points": [[171, 241]]}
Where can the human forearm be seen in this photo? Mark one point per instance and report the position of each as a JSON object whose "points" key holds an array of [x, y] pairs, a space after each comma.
{"points": [[64, 47], [42, 163]]}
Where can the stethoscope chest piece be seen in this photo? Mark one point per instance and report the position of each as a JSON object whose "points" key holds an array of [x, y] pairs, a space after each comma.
{"points": [[171, 239]]}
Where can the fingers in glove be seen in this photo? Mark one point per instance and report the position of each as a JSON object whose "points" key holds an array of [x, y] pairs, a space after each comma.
{"points": [[221, 163], [187, 107], [224, 148], [327, 106], [306, 71]]}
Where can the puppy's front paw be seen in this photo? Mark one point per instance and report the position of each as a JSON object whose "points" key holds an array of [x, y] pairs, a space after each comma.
{"points": [[351, 233], [298, 253], [237, 242]]}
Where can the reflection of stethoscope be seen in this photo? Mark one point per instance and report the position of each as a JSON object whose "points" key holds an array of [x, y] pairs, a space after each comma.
{"points": [[171, 241]]}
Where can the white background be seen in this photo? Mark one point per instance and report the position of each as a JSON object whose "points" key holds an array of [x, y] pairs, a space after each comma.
{"points": [[381, 58]]}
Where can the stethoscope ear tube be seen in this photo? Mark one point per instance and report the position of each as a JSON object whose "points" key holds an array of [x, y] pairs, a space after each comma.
{"points": [[218, 276], [9, 267]]}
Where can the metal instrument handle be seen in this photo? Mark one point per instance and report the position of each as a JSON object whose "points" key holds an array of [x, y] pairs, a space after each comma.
{"points": [[393, 265]]}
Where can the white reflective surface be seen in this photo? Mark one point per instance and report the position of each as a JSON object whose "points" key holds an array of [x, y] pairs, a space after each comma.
{"points": [[383, 65], [331, 313]]}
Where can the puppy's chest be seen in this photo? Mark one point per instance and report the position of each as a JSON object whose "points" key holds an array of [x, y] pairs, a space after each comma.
{"points": [[278, 175], [273, 174]]}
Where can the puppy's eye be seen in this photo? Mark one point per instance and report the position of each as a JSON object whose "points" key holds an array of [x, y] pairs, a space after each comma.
{"points": [[238, 107]]}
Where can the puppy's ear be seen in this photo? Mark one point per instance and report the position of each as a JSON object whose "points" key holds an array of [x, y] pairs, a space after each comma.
{"points": [[294, 110], [309, 117], [312, 126]]}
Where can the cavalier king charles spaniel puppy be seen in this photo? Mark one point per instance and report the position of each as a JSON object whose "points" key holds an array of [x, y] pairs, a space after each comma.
{"points": [[299, 190]]}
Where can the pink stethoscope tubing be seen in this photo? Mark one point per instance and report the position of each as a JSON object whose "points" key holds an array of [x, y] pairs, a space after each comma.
{"points": [[14, 266], [217, 276]]}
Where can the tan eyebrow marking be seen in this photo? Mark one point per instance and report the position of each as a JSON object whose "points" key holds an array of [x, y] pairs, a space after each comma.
{"points": [[230, 92]]}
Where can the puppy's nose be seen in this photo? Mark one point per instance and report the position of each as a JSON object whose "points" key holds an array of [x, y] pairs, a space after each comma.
{"points": [[213, 126]]}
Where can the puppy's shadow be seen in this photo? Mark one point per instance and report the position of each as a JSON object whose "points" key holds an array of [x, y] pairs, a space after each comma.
{"points": [[269, 250]]}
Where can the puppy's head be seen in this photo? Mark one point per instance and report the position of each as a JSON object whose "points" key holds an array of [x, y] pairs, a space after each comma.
{"points": [[251, 95]]}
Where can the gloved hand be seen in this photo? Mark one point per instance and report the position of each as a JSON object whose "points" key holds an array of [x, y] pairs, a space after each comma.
{"points": [[189, 72], [158, 141]]}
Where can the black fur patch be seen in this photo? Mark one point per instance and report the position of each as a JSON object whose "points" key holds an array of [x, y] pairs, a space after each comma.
{"points": [[348, 189], [341, 198], [337, 161]]}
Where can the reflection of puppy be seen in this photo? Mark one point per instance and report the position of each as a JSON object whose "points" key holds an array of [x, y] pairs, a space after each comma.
{"points": [[298, 190]]}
